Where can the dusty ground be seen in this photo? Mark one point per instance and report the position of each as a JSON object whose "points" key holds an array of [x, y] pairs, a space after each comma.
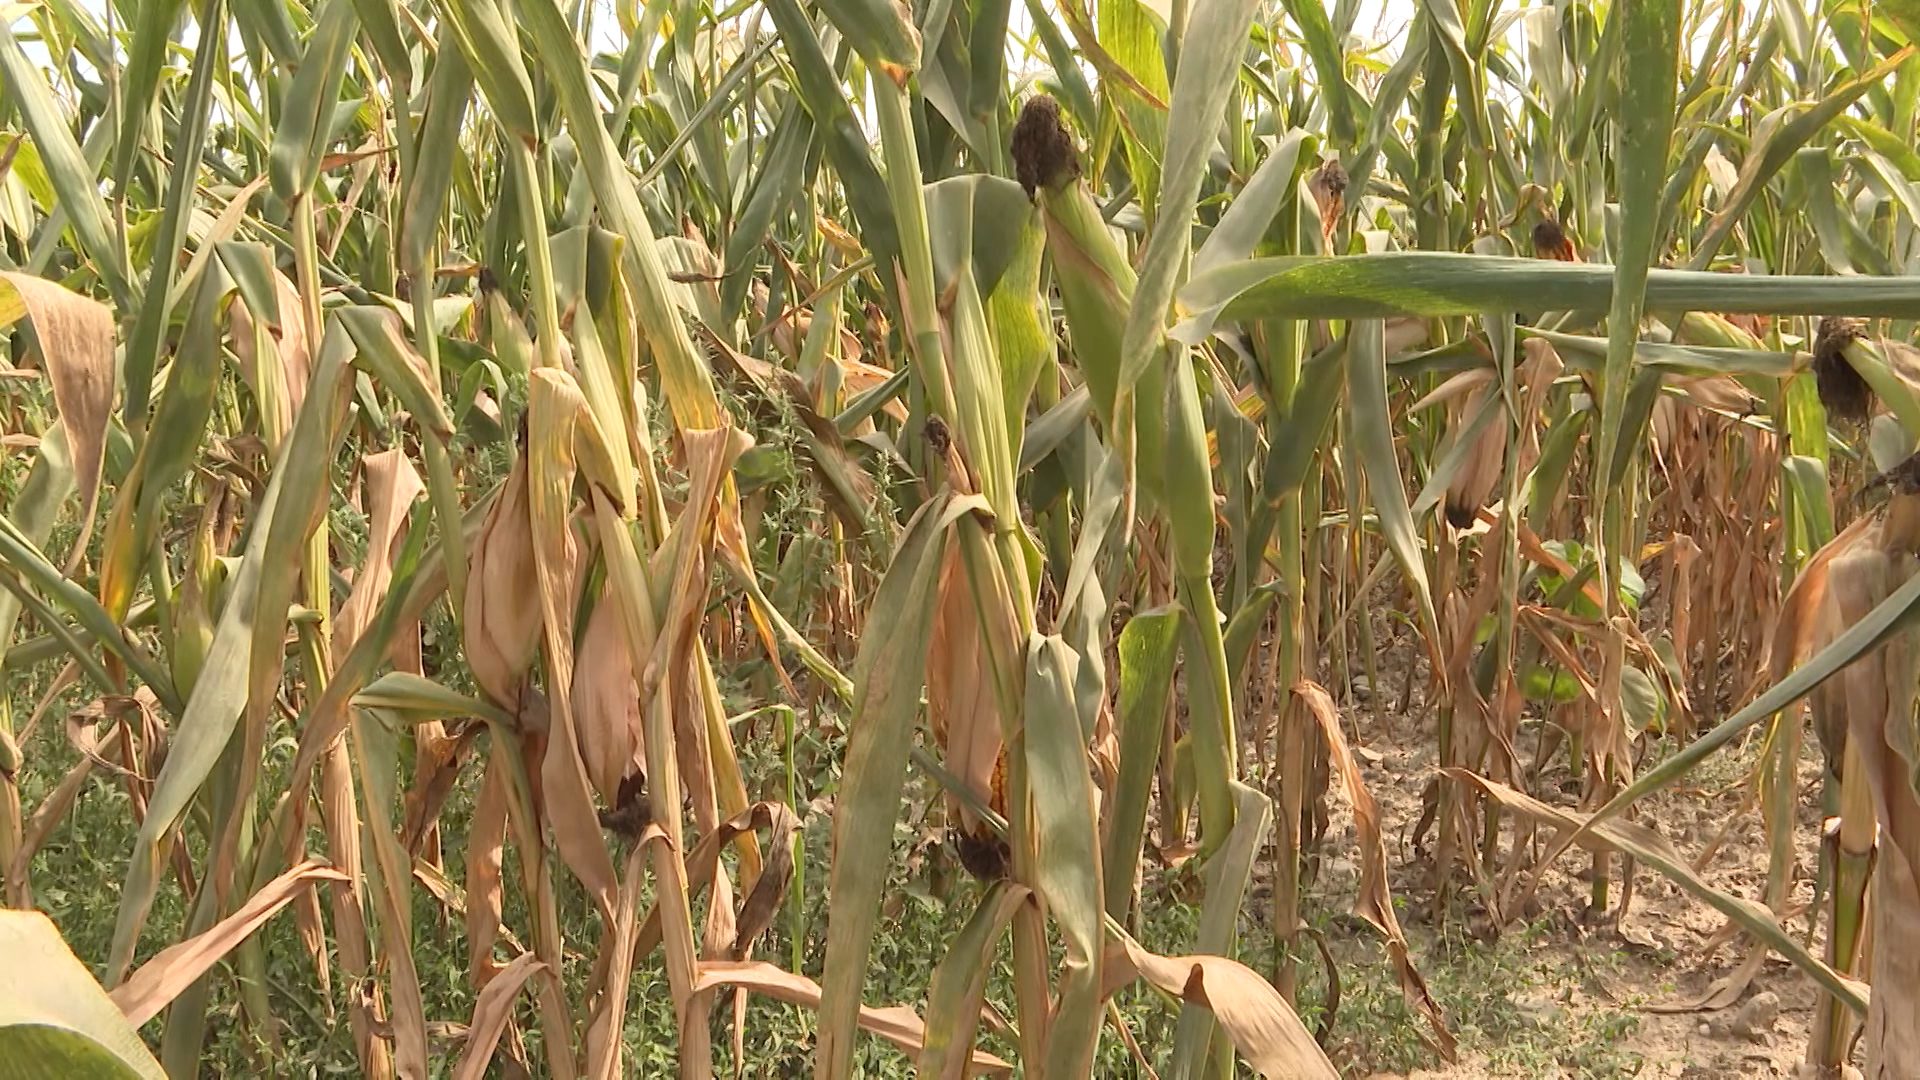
{"points": [[1560, 993]]}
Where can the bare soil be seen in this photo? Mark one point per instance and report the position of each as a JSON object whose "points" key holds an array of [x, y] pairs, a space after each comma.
{"points": [[1572, 993]]}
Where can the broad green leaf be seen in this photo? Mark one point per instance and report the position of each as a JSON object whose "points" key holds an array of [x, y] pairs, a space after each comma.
{"points": [[1210, 59], [1438, 284], [385, 354], [1248, 217], [1067, 872], [1228, 874], [1147, 648], [286, 513], [73, 179], [1329, 63], [846, 144], [775, 188], [55, 1020], [1370, 421], [1812, 500], [1298, 436], [881, 31], [960, 982], [494, 60], [888, 676], [147, 50], [449, 92], [381, 20], [35, 510], [156, 300], [305, 127], [1126, 51]]}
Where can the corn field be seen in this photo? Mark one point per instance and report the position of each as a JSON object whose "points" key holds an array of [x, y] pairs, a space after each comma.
{"points": [[487, 480]]}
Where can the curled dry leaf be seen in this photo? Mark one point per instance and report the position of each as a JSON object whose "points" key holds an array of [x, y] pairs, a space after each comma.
{"points": [[1262, 1026], [960, 705], [289, 334], [606, 701], [502, 625], [702, 866], [75, 334], [392, 486], [1375, 900], [1809, 621], [557, 417], [1472, 487], [490, 1015], [486, 848], [161, 979], [897, 1024], [1652, 849]]}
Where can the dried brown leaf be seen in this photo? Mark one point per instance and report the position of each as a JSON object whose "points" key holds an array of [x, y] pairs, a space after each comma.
{"points": [[897, 1024], [1375, 900], [486, 847], [960, 701], [502, 624], [606, 700], [75, 334], [490, 1015], [392, 485], [288, 332], [556, 414], [1263, 1028], [161, 979]]}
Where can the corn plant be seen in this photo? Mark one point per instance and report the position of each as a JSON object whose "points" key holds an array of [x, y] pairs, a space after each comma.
{"points": [[506, 404]]}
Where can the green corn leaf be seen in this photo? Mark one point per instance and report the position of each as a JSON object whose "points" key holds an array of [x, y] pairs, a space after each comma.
{"points": [[1329, 64], [1210, 59], [55, 1020], [846, 145], [1812, 499], [221, 693], [960, 982], [1147, 648], [74, 181], [1297, 438], [775, 188], [156, 302], [152, 34], [385, 354], [381, 20], [493, 57], [1067, 872], [887, 677], [1248, 217], [1228, 874], [1433, 284], [34, 512], [449, 90], [1370, 420], [881, 31], [306, 126], [1779, 136], [19, 555]]}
